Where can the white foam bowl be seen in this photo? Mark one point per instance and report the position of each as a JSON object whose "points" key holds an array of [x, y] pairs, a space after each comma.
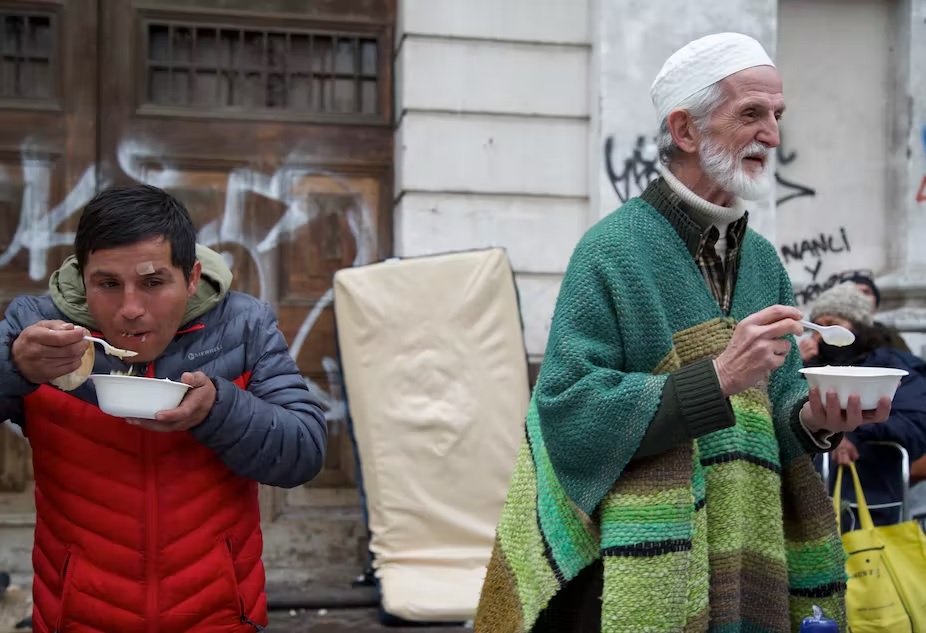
{"points": [[136, 397], [870, 384]]}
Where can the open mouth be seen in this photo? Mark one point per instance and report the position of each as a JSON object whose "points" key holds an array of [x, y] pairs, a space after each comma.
{"points": [[135, 336], [755, 160]]}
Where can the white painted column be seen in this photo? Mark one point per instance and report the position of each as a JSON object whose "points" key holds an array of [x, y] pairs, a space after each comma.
{"points": [[910, 256], [905, 225], [492, 143]]}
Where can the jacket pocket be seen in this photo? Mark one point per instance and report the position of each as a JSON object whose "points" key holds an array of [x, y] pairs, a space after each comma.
{"points": [[65, 576], [232, 576], [239, 600]]}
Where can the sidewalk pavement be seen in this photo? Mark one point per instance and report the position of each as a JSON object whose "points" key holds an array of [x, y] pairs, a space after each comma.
{"points": [[342, 621]]}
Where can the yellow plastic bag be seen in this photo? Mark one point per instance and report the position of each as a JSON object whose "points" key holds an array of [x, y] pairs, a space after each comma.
{"points": [[886, 566]]}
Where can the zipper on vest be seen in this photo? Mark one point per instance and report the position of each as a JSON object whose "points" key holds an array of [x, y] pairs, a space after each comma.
{"points": [[246, 620], [151, 523]]}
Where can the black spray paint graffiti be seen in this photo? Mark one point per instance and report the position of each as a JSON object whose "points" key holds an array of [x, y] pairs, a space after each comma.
{"points": [[814, 289], [789, 190], [817, 246], [639, 169], [642, 167], [811, 252]]}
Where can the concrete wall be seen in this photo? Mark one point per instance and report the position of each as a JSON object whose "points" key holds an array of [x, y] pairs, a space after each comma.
{"points": [[836, 149], [492, 139], [524, 122]]}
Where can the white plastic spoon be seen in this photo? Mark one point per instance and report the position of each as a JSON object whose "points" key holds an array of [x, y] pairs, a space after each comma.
{"points": [[109, 349], [834, 335]]}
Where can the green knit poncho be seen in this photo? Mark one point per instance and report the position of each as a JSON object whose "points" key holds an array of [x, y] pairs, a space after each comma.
{"points": [[732, 532]]}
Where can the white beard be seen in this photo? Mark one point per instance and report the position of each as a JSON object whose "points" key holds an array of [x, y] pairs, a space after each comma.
{"points": [[726, 169]]}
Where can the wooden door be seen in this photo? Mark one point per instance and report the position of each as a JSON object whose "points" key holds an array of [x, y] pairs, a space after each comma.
{"points": [[272, 121], [274, 127], [48, 114]]}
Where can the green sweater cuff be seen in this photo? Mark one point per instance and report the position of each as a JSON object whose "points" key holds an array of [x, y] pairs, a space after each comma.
{"points": [[692, 406], [702, 404]]}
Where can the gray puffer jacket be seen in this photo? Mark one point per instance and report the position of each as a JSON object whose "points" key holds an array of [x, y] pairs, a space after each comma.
{"points": [[273, 431]]}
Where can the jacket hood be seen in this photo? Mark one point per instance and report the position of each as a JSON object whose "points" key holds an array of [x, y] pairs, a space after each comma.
{"points": [[66, 287]]}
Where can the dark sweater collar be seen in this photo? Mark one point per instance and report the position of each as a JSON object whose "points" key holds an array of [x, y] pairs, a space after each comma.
{"points": [[679, 214]]}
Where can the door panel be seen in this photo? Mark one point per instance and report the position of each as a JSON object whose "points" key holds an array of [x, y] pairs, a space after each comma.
{"points": [[273, 126], [275, 129], [47, 172]]}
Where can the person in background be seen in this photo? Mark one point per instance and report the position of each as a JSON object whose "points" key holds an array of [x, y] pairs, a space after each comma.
{"points": [[868, 289], [153, 525], [867, 286], [878, 466]]}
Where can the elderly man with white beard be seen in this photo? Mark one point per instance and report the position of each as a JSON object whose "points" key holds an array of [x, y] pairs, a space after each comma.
{"points": [[666, 481]]}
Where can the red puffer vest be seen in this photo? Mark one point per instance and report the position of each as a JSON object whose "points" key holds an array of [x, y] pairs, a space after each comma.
{"points": [[138, 531]]}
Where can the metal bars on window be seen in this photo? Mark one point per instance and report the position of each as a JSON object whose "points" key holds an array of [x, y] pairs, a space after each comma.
{"points": [[247, 69], [27, 55]]}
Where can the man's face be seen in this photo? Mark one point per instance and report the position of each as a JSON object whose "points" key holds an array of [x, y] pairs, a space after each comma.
{"points": [[735, 150], [137, 297]]}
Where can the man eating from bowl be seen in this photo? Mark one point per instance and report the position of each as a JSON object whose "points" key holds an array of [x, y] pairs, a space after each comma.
{"points": [[666, 482], [154, 525]]}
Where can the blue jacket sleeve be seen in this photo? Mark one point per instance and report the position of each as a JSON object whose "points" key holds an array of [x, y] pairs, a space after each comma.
{"points": [[907, 422], [275, 431], [13, 387]]}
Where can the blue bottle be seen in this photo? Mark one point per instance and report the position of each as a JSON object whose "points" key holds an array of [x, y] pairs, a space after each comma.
{"points": [[818, 623]]}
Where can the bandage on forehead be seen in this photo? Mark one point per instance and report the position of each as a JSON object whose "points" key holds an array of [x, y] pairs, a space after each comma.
{"points": [[145, 268]]}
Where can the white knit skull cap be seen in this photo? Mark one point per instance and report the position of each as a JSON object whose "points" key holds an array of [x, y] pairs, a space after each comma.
{"points": [[702, 63]]}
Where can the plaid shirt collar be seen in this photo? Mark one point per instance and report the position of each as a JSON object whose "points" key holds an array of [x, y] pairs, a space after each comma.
{"points": [[719, 273]]}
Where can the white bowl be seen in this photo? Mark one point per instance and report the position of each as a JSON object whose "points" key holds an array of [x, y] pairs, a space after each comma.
{"points": [[869, 383], [136, 397]]}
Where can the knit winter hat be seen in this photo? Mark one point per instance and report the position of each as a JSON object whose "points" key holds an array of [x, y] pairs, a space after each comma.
{"points": [[861, 278], [845, 301]]}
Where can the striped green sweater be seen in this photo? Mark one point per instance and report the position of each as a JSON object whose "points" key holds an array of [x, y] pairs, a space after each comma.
{"points": [[731, 532]]}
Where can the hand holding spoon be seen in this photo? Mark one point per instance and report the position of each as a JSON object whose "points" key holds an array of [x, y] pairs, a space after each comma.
{"points": [[834, 335]]}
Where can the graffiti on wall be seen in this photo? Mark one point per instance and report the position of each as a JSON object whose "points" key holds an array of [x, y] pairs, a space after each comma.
{"points": [[39, 225], [39, 222], [788, 189], [631, 174], [809, 293], [817, 246], [638, 169], [812, 253]]}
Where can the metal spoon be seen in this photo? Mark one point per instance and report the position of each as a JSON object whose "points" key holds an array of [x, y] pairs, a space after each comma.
{"points": [[834, 335], [109, 349]]}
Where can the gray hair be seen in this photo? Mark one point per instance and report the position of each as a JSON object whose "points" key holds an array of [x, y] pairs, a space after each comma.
{"points": [[700, 106]]}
